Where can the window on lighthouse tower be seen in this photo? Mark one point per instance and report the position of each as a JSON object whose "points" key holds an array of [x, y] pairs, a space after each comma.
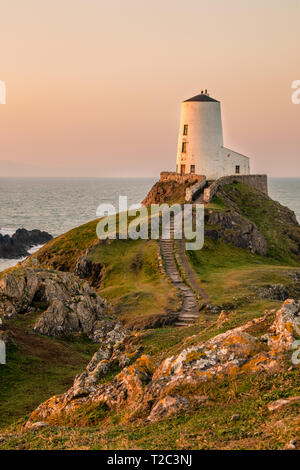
{"points": [[185, 129], [183, 149]]}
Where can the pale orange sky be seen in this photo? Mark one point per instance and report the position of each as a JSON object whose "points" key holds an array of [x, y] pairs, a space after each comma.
{"points": [[94, 87]]}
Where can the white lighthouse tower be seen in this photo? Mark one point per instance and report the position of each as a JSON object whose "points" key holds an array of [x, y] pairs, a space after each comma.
{"points": [[200, 142]]}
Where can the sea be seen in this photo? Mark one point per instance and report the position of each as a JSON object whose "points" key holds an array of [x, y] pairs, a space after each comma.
{"points": [[57, 205]]}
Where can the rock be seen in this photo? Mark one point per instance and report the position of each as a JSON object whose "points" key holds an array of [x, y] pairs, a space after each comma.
{"points": [[235, 417], [214, 309], [223, 318], [87, 269], [166, 192], [11, 249], [126, 388], [294, 444], [67, 304], [153, 392], [234, 229], [18, 244], [212, 234], [168, 406], [286, 327], [294, 275], [272, 292], [31, 238], [37, 425], [7, 337], [278, 404], [155, 321]]}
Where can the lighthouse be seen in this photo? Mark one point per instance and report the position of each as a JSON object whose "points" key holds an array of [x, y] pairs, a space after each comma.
{"points": [[200, 142]]}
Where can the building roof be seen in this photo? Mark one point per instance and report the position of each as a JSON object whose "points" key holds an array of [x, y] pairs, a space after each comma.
{"points": [[202, 97]]}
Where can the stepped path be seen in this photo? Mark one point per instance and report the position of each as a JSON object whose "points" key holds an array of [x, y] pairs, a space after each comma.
{"points": [[182, 277]]}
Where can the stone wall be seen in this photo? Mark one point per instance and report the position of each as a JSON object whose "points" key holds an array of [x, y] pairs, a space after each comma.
{"points": [[192, 192], [259, 182], [187, 178]]}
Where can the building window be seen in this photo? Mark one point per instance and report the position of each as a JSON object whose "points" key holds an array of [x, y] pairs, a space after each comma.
{"points": [[183, 149], [237, 169], [185, 129], [192, 168]]}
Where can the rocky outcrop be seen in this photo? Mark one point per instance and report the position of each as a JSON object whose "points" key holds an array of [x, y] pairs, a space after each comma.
{"points": [[30, 238], [11, 249], [272, 292], [87, 269], [166, 192], [232, 228], [64, 303], [286, 327], [154, 392], [17, 245]]}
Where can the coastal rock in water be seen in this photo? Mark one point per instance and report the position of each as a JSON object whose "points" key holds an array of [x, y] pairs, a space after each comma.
{"points": [[11, 249], [17, 245], [67, 304], [30, 238]]}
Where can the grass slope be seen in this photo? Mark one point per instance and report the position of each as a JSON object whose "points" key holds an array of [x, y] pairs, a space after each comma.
{"points": [[133, 281], [38, 367], [134, 284]]}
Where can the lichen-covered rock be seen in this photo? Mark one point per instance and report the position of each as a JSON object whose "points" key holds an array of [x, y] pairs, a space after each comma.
{"points": [[168, 406], [226, 354], [67, 304], [125, 389], [286, 327], [154, 392]]}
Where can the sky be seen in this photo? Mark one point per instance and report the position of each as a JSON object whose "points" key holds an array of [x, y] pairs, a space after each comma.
{"points": [[94, 87]]}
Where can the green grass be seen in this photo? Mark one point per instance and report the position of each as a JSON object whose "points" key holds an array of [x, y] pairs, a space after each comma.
{"points": [[216, 203], [62, 252], [133, 282], [272, 219], [38, 368], [230, 275]]}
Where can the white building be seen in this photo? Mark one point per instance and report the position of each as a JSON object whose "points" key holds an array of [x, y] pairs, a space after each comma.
{"points": [[200, 142]]}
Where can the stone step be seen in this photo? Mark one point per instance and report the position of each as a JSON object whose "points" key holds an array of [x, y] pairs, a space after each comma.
{"points": [[189, 312], [188, 316], [181, 324]]}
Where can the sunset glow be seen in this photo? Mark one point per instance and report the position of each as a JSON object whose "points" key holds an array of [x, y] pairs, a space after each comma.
{"points": [[94, 88]]}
